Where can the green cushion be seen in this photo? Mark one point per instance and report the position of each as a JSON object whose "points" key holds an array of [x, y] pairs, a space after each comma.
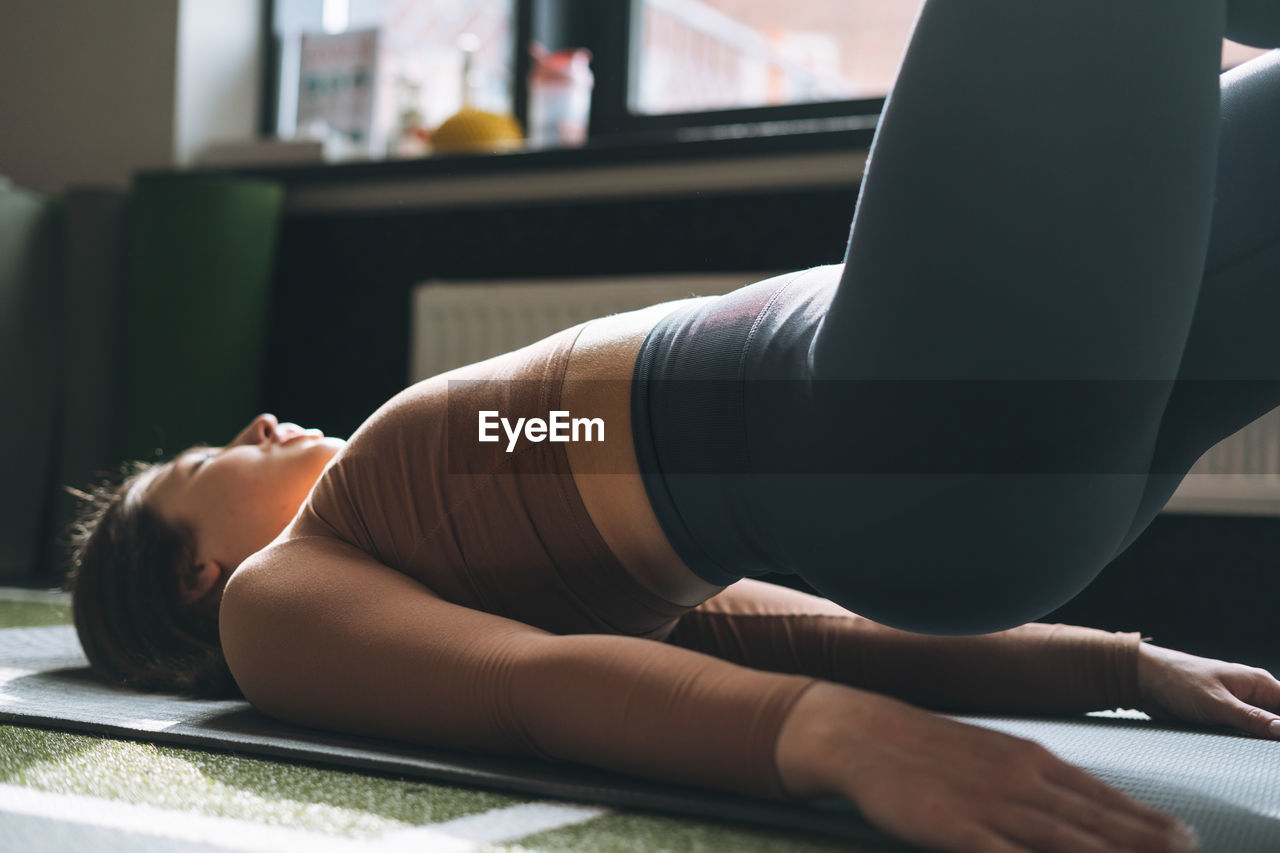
{"points": [[88, 445], [30, 365], [199, 261]]}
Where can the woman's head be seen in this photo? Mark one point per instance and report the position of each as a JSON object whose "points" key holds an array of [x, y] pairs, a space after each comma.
{"points": [[152, 554]]}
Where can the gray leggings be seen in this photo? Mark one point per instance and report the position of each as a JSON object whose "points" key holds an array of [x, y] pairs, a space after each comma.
{"points": [[1062, 286]]}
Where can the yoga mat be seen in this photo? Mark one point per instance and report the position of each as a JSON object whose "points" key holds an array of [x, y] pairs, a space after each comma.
{"points": [[1225, 785]]}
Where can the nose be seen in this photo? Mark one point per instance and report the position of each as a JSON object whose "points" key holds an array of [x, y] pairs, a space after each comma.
{"points": [[259, 429]]}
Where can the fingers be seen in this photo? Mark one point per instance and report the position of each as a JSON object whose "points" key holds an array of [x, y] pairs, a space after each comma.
{"points": [[1043, 805], [1247, 699], [979, 791], [1249, 718], [1059, 818], [1092, 833], [1087, 785], [1203, 690], [1266, 695]]}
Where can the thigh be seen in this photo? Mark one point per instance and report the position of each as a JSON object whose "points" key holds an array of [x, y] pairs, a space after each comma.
{"points": [[1037, 207], [1230, 370], [1042, 176]]}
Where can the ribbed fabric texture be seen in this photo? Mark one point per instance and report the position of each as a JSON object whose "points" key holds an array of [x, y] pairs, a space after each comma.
{"points": [[1034, 668], [689, 427]]}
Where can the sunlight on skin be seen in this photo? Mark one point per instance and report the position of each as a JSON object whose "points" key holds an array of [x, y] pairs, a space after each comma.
{"points": [[239, 497]]}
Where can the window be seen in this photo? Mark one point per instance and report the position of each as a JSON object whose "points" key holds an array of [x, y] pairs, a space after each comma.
{"points": [[694, 65], [663, 69], [699, 55], [416, 63]]}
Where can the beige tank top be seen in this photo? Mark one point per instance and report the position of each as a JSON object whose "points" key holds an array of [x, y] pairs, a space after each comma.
{"points": [[507, 533]]}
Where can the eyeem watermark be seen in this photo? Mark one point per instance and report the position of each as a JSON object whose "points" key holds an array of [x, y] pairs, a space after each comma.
{"points": [[558, 427]]}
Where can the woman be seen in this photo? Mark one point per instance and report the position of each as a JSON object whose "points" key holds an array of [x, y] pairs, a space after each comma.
{"points": [[446, 578]]}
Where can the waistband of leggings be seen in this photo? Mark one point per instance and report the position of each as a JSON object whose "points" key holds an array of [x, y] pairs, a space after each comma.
{"points": [[688, 415], [621, 601]]}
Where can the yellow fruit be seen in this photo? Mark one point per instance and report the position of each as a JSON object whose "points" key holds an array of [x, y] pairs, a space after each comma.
{"points": [[470, 129]]}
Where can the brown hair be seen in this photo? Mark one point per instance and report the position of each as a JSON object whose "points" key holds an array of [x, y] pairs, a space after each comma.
{"points": [[125, 561]]}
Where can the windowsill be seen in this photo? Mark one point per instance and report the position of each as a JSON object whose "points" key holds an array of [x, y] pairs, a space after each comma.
{"points": [[603, 169]]}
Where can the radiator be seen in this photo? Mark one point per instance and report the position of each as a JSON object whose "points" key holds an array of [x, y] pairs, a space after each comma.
{"points": [[1240, 475], [456, 323]]}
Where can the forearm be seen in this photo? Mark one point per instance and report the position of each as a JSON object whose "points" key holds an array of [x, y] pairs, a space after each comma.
{"points": [[652, 710], [323, 636], [1032, 668], [826, 736], [806, 749]]}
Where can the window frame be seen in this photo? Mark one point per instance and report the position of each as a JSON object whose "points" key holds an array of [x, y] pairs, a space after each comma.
{"points": [[605, 28]]}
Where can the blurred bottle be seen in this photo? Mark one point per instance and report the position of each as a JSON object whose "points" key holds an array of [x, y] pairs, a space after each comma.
{"points": [[560, 84], [412, 138]]}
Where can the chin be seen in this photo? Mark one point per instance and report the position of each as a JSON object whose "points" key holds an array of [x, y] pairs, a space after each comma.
{"points": [[333, 443], [325, 450], [307, 458]]}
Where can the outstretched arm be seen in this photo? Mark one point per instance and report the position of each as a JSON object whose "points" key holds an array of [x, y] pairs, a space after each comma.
{"points": [[1034, 668], [318, 633]]}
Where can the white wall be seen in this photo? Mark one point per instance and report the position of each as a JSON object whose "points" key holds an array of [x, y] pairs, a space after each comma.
{"points": [[93, 90], [219, 74]]}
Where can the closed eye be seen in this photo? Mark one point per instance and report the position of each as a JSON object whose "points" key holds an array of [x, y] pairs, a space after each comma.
{"points": [[201, 460]]}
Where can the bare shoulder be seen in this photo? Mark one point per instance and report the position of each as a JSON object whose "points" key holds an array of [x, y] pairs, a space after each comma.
{"points": [[318, 633], [297, 569], [300, 590]]}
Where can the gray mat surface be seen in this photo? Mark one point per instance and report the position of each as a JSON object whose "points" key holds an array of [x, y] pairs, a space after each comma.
{"points": [[1226, 785]]}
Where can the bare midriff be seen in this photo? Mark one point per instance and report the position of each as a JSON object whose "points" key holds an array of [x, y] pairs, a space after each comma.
{"points": [[607, 473]]}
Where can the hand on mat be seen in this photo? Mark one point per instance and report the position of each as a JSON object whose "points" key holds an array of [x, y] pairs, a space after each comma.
{"points": [[950, 786], [1174, 685]]}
